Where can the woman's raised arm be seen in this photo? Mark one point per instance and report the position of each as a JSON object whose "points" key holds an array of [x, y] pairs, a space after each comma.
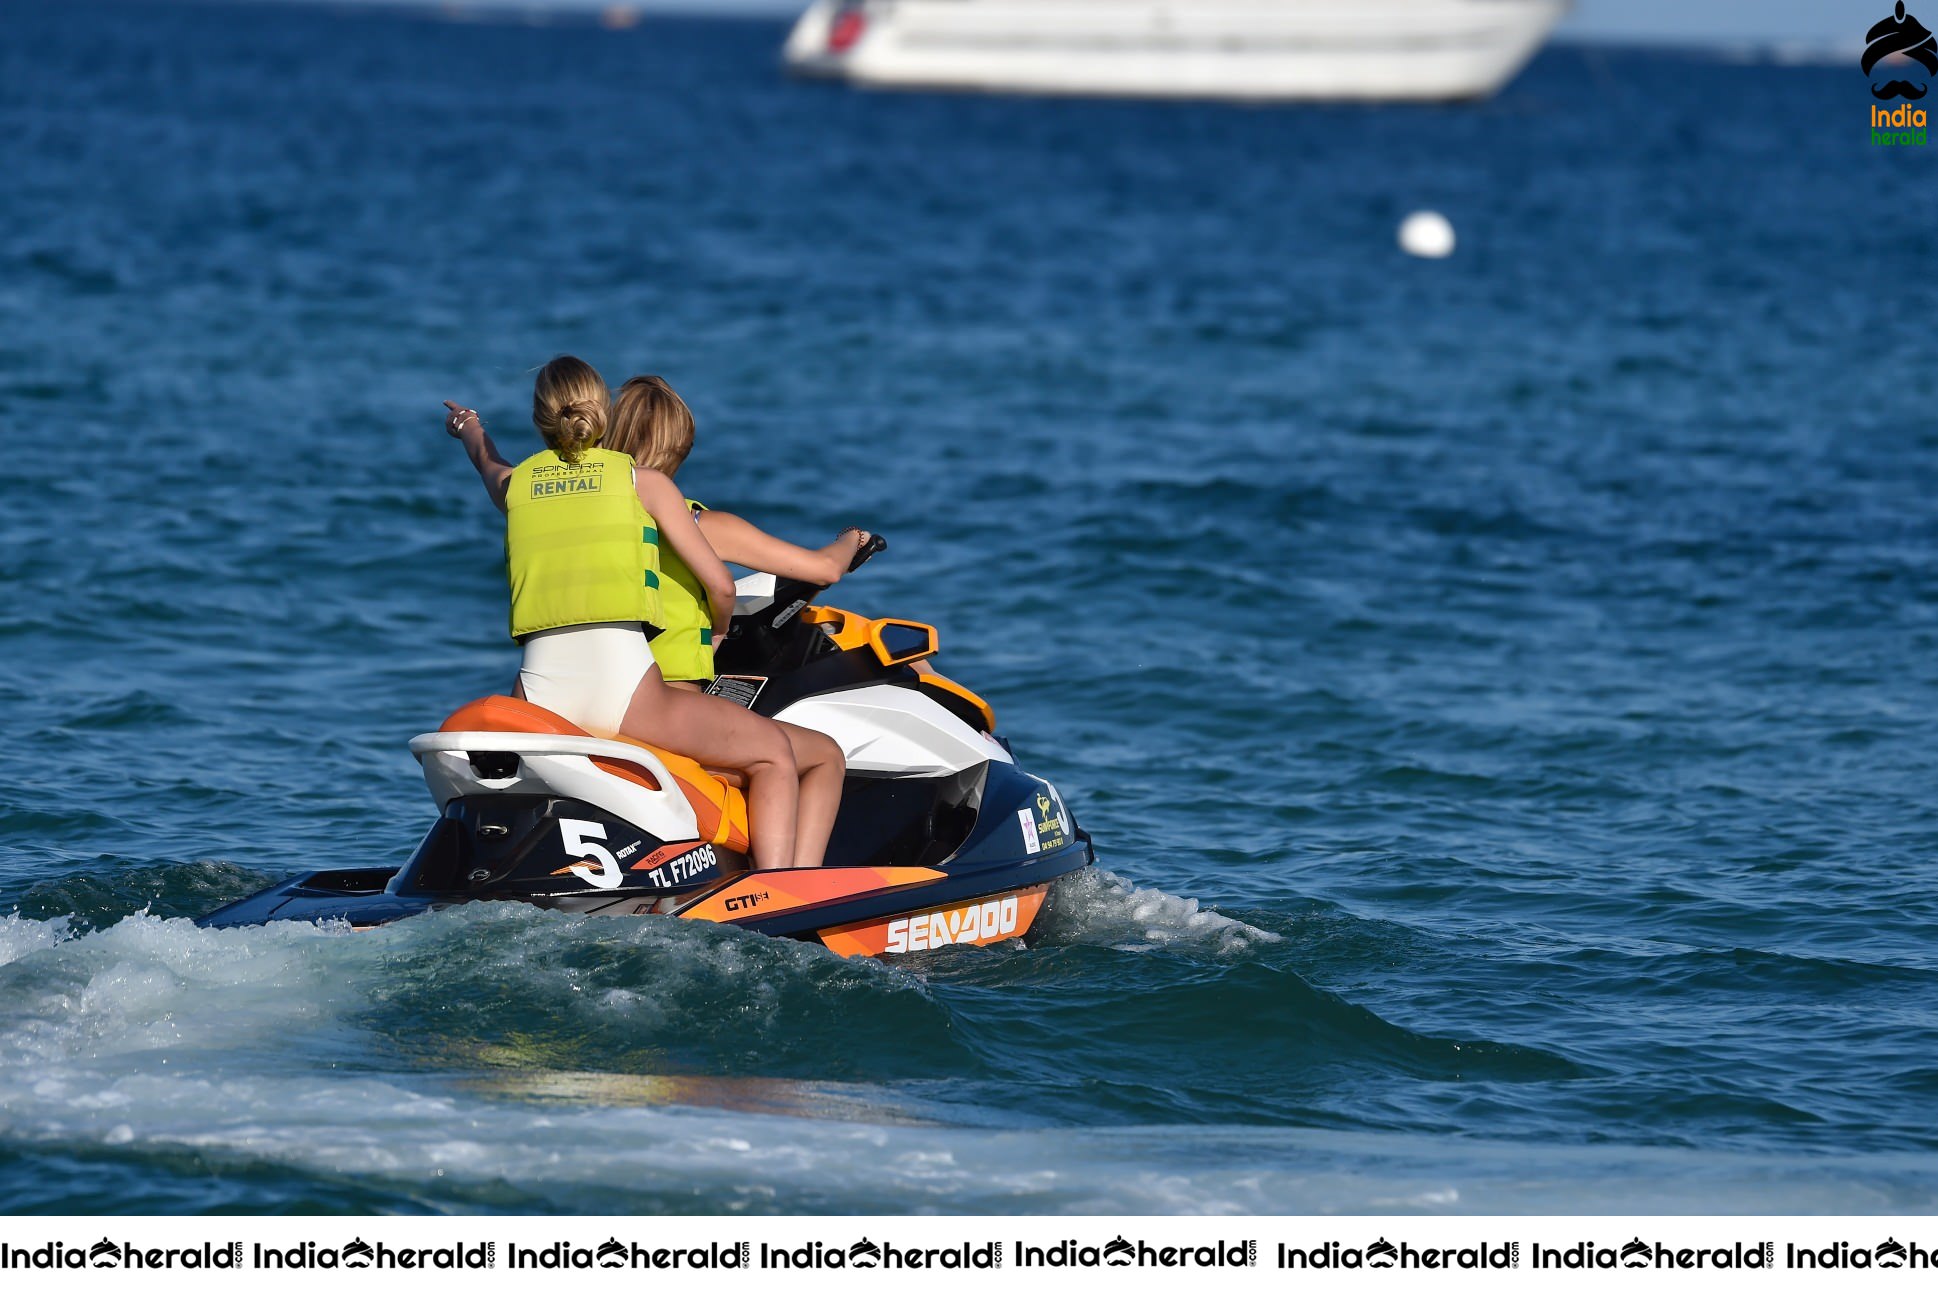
{"points": [[746, 544], [463, 425]]}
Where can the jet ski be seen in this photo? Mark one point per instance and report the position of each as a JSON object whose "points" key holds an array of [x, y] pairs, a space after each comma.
{"points": [[942, 839]]}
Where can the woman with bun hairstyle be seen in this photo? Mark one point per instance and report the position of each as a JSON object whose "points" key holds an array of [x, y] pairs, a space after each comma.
{"points": [[584, 532]]}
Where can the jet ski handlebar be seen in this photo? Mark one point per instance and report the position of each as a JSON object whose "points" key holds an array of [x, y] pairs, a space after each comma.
{"points": [[787, 589], [874, 546], [764, 610]]}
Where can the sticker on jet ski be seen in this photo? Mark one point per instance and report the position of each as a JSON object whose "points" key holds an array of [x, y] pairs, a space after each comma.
{"points": [[598, 865], [676, 864], [744, 690], [1046, 825], [776, 891], [973, 922]]}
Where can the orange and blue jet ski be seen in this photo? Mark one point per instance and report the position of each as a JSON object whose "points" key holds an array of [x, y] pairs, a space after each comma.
{"points": [[942, 839]]}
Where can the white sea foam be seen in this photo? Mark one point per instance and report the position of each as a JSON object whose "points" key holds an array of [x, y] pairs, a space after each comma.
{"points": [[1099, 907], [155, 1035], [20, 937]]}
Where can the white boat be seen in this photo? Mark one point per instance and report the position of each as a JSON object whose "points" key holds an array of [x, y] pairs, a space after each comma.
{"points": [[1261, 50]]}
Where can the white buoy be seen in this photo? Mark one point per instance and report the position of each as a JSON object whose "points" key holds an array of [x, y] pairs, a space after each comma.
{"points": [[1427, 234]]}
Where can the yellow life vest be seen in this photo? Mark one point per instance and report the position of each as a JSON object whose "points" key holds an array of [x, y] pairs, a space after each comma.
{"points": [[579, 547], [684, 650]]}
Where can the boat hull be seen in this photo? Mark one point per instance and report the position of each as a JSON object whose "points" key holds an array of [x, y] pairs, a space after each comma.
{"points": [[1250, 50]]}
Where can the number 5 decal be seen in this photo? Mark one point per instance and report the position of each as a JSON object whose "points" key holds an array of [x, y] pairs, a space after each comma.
{"points": [[574, 834]]}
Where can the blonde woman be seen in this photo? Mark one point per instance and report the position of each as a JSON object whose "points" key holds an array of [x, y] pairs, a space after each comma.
{"points": [[584, 531], [652, 424]]}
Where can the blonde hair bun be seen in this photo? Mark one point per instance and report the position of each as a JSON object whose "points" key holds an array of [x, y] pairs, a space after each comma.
{"points": [[570, 406]]}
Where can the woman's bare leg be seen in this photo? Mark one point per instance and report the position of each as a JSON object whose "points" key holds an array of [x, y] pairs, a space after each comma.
{"points": [[823, 769], [718, 733]]}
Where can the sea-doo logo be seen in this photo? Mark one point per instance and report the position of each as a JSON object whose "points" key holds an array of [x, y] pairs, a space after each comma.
{"points": [[1383, 1253], [886, 1255], [1119, 1252], [1638, 1253], [967, 925]]}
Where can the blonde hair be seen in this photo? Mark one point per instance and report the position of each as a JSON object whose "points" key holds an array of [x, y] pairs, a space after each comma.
{"points": [[570, 406], [652, 423]]}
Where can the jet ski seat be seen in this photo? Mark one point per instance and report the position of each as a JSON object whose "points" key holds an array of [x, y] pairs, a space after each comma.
{"points": [[718, 805]]}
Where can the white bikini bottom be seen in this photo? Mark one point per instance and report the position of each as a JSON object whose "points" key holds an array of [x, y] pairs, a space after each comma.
{"points": [[587, 674]]}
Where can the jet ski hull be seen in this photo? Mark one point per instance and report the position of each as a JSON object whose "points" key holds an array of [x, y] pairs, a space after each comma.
{"points": [[853, 910], [937, 873]]}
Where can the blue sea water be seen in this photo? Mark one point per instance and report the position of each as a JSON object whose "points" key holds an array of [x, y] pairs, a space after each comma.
{"points": [[1500, 689]]}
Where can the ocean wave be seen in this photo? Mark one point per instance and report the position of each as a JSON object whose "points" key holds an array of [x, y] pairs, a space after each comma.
{"points": [[98, 891], [1098, 907]]}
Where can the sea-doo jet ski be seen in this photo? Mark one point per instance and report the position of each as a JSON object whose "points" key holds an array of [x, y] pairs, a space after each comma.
{"points": [[941, 840]]}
